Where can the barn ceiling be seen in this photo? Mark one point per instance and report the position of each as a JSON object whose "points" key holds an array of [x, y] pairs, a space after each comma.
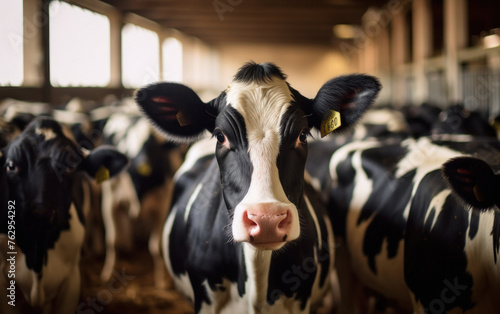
{"points": [[252, 21]]}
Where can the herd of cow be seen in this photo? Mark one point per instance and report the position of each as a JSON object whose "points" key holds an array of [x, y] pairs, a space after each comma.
{"points": [[395, 212]]}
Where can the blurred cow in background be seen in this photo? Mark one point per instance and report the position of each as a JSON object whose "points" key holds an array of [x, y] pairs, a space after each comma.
{"points": [[144, 191], [41, 181], [113, 206]]}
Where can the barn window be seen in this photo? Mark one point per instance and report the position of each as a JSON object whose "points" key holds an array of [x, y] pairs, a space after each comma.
{"points": [[11, 41], [140, 56], [172, 60], [79, 46]]}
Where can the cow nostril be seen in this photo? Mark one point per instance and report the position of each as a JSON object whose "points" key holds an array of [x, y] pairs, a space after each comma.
{"points": [[250, 219], [284, 221]]}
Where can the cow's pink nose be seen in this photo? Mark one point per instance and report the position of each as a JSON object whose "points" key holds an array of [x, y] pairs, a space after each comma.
{"points": [[267, 227]]}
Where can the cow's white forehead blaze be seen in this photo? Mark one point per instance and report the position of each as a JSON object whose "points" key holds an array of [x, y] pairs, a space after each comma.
{"points": [[262, 105]]}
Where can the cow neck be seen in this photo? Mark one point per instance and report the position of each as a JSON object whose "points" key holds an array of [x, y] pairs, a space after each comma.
{"points": [[257, 263]]}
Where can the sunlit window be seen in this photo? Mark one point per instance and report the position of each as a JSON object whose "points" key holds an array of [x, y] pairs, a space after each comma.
{"points": [[79, 46], [172, 60], [140, 56], [11, 43]]}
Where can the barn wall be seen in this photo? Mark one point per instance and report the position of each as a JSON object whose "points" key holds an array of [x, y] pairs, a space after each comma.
{"points": [[307, 67]]}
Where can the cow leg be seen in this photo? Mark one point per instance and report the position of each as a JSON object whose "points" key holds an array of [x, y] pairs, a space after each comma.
{"points": [[109, 230], [162, 205], [154, 249], [134, 208], [69, 293], [128, 209]]}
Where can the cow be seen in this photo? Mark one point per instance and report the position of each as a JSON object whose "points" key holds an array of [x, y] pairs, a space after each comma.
{"points": [[376, 123], [42, 226], [421, 118], [246, 232], [406, 238], [145, 189], [457, 120], [132, 205]]}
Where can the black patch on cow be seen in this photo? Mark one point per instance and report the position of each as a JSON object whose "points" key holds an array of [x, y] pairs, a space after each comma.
{"points": [[293, 269], [495, 233], [474, 224], [258, 73], [235, 164], [290, 156], [341, 195], [381, 206], [317, 165], [434, 258], [201, 247], [324, 250]]}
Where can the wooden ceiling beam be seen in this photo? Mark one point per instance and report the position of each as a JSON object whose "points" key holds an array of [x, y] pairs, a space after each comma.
{"points": [[283, 33], [262, 21], [276, 13], [269, 40], [250, 19], [256, 4], [217, 25]]}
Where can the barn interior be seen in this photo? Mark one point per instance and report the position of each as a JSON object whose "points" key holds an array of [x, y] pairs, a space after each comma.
{"points": [[82, 55], [439, 52]]}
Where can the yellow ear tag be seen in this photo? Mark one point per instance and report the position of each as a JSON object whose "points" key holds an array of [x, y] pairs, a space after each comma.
{"points": [[102, 174], [330, 123], [182, 119], [144, 169], [477, 193]]}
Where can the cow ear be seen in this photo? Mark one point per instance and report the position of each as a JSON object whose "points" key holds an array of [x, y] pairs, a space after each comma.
{"points": [[473, 180], [176, 110], [341, 102], [104, 162]]}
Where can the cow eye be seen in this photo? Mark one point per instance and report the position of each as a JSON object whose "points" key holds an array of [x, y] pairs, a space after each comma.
{"points": [[11, 167], [220, 137], [301, 141], [303, 137]]}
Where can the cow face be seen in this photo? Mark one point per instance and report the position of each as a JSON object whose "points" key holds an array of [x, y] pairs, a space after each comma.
{"points": [[458, 120], [41, 166], [261, 125]]}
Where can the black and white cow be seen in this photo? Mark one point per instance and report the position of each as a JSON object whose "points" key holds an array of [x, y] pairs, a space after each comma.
{"points": [[246, 233], [42, 174], [145, 189], [406, 237], [458, 120]]}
